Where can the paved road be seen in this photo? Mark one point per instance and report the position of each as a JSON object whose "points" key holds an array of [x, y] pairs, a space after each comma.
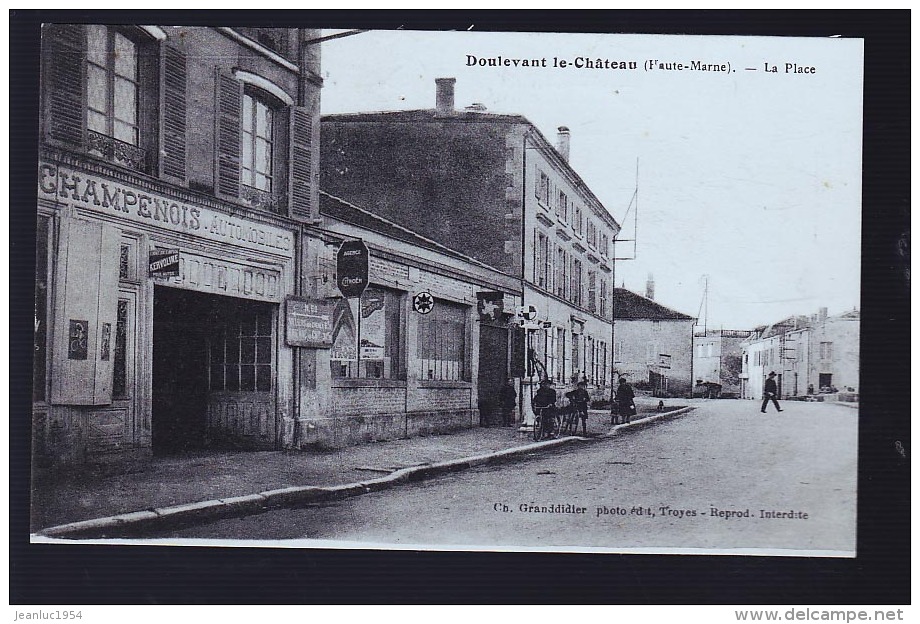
{"points": [[722, 477]]}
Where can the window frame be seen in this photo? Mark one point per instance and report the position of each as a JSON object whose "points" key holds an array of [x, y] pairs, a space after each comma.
{"points": [[273, 109], [433, 337], [142, 154]]}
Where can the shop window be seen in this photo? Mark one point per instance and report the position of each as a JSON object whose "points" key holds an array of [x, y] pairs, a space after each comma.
{"points": [[442, 347], [241, 351], [379, 354]]}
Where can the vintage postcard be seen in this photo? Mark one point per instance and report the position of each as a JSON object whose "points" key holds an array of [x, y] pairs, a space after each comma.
{"points": [[448, 290]]}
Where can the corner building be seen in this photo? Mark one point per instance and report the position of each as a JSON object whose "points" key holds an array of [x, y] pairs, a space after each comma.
{"points": [[492, 187], [175, 180]]}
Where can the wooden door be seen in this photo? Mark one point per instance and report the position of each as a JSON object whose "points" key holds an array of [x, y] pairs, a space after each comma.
{"points": [[493, 370], [242, 359]]}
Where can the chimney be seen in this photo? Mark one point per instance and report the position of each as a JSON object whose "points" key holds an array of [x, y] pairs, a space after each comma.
{"points": [[562, 142], [444, 103], [650, 287]]}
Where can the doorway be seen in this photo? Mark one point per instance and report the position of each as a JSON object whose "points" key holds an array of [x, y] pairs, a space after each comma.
{"points": [[493, 370], [213, 372]]}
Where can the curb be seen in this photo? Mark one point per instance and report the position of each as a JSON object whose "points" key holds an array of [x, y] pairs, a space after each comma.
{"points": [[176, 516], [648, 420]]}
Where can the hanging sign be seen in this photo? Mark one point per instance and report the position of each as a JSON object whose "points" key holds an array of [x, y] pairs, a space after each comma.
{"points": [[490, 305], [351, 268], [309, 322], [163, 263], [527, 312]]}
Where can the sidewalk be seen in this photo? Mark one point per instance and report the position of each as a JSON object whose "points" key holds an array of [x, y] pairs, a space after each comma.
{"points": [[234, 478]]}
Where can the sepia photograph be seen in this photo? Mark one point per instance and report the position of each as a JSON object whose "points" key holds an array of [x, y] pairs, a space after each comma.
{"points": [[447, 290]]}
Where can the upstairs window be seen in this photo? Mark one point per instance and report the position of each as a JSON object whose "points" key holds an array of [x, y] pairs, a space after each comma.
{"points": [[112, 84], [562, 207], [258, 143], [117, 93], [542, 189]]}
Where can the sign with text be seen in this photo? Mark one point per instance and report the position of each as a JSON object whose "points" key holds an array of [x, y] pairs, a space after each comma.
{"points": [[309, 322], [352, 268], [62, 184], [164, 263]]}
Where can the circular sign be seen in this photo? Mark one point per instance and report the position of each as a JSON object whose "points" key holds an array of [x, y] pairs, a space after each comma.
{"points": [[528, 312], [423, 303]]}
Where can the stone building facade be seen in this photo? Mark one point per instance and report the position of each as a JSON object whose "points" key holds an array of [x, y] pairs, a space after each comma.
{"points": [[493, 188], [176, 176], [653, 345]]}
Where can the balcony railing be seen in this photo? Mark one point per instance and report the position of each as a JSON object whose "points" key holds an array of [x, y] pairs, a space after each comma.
{"points": [[122, 153]]}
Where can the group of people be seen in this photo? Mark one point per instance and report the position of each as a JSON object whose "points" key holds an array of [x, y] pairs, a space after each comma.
{"points": [[579, 400]]}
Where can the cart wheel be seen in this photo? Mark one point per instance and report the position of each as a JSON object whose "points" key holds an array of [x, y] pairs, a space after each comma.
{"points": [[537, 428]]}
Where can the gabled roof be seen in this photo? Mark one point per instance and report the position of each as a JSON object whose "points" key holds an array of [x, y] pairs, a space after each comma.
{"points": [[629, 305]]}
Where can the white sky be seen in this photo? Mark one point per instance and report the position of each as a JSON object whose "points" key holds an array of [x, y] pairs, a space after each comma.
{"points": [[753, 179]]}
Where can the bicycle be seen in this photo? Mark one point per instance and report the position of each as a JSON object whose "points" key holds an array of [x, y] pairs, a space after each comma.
{"points": [[571, 414], [548, 429]]}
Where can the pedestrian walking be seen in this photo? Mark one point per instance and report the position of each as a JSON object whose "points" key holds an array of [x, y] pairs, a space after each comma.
{"points": [[769, 393], [508, 402], [625, 399]]}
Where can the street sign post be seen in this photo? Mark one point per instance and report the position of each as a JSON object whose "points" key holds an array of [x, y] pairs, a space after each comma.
{"points": [[352, 268]]}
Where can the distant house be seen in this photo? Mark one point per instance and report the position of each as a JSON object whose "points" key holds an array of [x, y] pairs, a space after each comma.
{"points": [[810, 355], [717, 359], [652, 344]]}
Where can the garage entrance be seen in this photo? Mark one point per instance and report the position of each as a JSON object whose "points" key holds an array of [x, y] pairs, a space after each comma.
{"points": [[213, 372]]}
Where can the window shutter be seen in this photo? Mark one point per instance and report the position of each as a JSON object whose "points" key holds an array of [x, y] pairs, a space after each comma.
{"points": [[229, 112], [85, 313], [65, 49], [175, 111], [302, 162]]}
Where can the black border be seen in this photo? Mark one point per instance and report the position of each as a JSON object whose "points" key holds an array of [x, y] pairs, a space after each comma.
{"points": [[84, 574]]}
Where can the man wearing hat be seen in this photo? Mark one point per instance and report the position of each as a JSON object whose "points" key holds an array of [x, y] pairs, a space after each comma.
{"points": [[769, 393], [545, 399]]}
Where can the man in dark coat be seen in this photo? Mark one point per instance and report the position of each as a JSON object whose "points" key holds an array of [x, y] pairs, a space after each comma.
{"points": [[769, 393], [508, 402], [545, 401], [580, 399], [625, 398]]}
